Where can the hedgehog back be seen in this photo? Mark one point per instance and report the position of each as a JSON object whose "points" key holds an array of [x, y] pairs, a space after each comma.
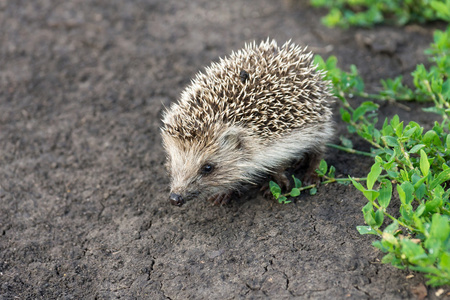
{"points": [[268, 89]]}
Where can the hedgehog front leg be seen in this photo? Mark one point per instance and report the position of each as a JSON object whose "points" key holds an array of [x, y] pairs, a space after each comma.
{"points": [[281, 179], [221, 199], [311, 176]]}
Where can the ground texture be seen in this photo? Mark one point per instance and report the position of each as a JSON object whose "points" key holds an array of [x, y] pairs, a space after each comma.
{"points": [[84, 210]]}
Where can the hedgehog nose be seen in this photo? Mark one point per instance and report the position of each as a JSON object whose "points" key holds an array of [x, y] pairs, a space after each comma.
{"points": [[176, 199]]}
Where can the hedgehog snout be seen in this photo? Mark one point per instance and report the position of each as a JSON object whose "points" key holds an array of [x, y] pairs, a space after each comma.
{"points": [[176, 199]]}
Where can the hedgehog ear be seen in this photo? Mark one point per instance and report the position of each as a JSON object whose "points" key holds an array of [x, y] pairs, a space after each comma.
{"points": [[231, 138]]}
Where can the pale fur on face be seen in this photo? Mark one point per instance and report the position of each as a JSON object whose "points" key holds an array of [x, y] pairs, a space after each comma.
{"points": [[227, 151]]}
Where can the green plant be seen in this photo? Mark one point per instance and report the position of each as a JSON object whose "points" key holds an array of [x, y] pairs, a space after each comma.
{"points": [[366, 13], [327, 175], [411, 164], [409, 160]]}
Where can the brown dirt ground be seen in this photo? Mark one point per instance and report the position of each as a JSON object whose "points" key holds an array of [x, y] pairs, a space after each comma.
{"points": [[84, 211]]}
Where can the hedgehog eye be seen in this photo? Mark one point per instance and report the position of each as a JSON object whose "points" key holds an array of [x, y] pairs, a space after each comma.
{"points": [[206, 169]]}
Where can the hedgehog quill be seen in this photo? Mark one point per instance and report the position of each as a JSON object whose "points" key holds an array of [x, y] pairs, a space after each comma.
{"points": [[252, 114]]}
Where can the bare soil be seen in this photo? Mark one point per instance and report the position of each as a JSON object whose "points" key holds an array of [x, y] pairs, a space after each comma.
{"points": [[84, 210]]}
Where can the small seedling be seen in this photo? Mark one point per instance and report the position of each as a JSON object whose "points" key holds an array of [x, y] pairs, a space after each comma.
{"points": [[326, 174]]}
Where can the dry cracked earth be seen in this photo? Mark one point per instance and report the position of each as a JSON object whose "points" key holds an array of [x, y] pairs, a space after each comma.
{"points": [[84, 210]]}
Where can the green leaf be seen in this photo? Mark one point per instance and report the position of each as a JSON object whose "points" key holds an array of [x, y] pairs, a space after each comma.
{"points": [[408, 133], [365, 230], [283, 200], [372, 177], [431, 270], [275, 189], [318, 60], [390, 238], [392, 259], [420, 191], [351, 128], [438, 6], [434, 246], [416, 148], [442, 9], [431, 138], [313, 191], [379, 218], [331, 62], [390, 141], [413, 252], [391, 228], [406, 212], [295, 192], [331, 172], [420, 210], [399, 129], [418, 184], [432, 205], [371, 195], [323, 167], [378, 159], [442, 177], [387, 129], [385, 193], [404, 175], [434, 109], [418, 222], [440, 227], [395, 121], [401, 194], [424, 164], [357, 185], [346, 142], [364, 108], [369, 215], [392, 174], [346, 117], [444, 263], [390, 163], [297, 182], [379, 245], [408, 188]]}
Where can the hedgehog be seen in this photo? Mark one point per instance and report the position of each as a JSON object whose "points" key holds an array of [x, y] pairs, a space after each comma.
{"points": [[250, 115]]}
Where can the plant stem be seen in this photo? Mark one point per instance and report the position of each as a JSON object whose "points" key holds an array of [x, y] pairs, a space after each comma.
{"points": [[331, 180], [350, 150], [406, 155], [393, 218]]}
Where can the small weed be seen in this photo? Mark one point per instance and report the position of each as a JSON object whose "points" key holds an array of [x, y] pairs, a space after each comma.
{"points": [[326, 174]]}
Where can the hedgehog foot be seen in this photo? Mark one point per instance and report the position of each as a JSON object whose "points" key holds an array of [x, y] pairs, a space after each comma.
{"points": [[221, 199], [281, 179], [311, 177]]}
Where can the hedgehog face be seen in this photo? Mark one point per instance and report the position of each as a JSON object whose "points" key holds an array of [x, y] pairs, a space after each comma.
{"points": [[203, 169]]}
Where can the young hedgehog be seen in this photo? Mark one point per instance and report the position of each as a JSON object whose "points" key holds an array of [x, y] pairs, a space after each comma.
{"points": [[250, 115]]}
